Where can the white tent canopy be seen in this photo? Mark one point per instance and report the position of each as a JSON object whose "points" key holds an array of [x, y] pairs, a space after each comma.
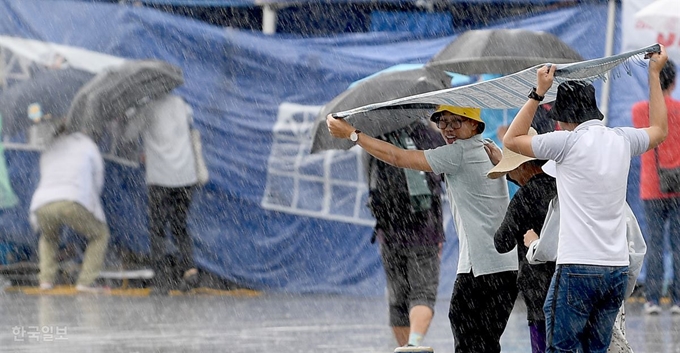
{"points": [[46, 53], [18, 54]]}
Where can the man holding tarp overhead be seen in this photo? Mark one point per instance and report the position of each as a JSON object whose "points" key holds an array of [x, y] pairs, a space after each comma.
{"points": [[592, 175], [485, 289]]}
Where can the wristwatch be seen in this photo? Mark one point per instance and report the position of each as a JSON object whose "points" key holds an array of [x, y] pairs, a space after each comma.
{"points": [[354, 136], [534, 95]]}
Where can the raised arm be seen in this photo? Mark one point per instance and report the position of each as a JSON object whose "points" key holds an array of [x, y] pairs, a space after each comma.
{"points": [[382, 150], [658, 114], [516, 138]]}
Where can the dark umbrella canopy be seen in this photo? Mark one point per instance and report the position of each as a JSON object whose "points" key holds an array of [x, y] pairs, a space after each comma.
{"points": [[111, 93], [378, 88], [49, 92], [502, 51]]}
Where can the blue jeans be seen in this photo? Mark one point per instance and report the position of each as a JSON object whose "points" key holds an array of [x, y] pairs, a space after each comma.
{"points": [[659, 213], [581, 307]]}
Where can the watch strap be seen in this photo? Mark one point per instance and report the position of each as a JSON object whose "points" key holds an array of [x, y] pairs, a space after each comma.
{"points": [[535, 96]]}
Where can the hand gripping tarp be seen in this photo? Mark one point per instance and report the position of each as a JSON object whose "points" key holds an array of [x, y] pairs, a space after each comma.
{"points": [[507, 91]]}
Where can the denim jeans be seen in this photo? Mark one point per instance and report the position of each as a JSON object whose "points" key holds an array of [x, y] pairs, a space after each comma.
{"points": [[581, 307], [659, 213]]}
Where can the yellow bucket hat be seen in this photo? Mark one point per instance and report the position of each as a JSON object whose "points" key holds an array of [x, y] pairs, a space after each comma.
{"points": [[468, 112]]}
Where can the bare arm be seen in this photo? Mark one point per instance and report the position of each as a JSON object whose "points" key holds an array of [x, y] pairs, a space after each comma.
{"points": [[658, 114], [382, 150], [516, 138]]}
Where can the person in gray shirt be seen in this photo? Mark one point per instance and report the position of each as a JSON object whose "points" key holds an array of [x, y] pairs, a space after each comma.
{"points": [[485, 289]]}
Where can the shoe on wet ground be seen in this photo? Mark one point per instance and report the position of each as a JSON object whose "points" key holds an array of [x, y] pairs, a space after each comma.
{"points": [[651, 308], [675, 309], [189, 281]]}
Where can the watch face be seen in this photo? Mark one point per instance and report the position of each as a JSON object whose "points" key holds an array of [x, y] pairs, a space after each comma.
{"points": [[354, 136]]}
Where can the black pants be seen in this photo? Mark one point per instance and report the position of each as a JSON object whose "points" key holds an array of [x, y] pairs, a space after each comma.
{"points": [[169, 207], [480, 309]]}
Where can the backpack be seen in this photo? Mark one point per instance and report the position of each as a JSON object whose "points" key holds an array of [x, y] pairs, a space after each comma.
{"points": [[389, 199]]}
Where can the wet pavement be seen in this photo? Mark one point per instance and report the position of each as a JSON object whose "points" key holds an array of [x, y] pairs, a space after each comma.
{"points": [[246, 322]]}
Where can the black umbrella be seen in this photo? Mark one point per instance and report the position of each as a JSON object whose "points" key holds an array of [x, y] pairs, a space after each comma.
{"points": [[47, 92], [379, 88], [501, 51], [111, 93]]}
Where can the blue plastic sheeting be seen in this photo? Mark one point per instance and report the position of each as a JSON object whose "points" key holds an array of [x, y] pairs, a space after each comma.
{"points": [[238, 3], [215, 3], [273, 217], [225, 3], [421, 23]]}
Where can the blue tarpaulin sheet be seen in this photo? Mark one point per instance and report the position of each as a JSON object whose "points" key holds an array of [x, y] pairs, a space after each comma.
{"points": [[419, 23], [228, 3], [273, 217]]}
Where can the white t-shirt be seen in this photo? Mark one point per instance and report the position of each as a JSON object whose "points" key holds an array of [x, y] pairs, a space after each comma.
{"points": [[71, 169], [167, 143], [592, 177]]}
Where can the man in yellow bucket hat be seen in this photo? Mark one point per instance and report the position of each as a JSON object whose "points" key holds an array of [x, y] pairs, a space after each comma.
{"points": [[485, 288], [473, 114]]}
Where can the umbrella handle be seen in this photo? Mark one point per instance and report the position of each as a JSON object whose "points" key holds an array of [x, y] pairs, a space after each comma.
{"points": [[336, 116]]}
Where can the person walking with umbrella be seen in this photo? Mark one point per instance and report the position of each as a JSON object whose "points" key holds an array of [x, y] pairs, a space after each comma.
{"points": [[485, 289], [171, 177], [409, 228]]}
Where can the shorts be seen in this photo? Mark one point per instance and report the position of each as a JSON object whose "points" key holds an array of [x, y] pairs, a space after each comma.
{"points": [[412, 275]]}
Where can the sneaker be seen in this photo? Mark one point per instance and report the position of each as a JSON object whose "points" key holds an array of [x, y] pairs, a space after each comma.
{"points": [[189, 281], [675, 309], [651, 308], [92, 290], [46, 286], [414, 349]]}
